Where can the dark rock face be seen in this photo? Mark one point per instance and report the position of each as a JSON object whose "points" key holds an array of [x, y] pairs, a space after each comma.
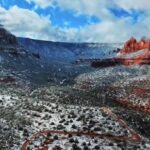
{"points": [[9, 43], [105, 63], [7, 79], [36, 55], [6, 38]]}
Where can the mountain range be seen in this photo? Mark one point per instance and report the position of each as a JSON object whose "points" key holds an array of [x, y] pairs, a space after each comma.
{"points": [[43, 61]]}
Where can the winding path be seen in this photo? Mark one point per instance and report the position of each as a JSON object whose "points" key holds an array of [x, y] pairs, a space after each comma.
{"points": [[134, 137]]}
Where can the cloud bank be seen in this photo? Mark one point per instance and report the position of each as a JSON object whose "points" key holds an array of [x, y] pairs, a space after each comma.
{"points": [[119, 20]]}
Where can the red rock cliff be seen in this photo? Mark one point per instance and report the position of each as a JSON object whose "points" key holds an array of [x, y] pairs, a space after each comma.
{"points": [[133, 45], [135, 52]]}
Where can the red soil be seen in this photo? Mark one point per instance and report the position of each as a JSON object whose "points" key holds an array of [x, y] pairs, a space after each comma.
{"points": [[133, 137], [140, 91], [136, 107]]}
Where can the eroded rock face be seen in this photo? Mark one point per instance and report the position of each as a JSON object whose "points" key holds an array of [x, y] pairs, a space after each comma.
{"points": [[135, 52], [132, 45], [9, 43], [7, 38]]}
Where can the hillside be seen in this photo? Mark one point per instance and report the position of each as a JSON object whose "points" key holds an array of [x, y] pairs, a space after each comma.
{"points": [[51, 97]]}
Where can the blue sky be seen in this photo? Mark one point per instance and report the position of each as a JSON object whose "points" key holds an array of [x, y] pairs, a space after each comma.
{"points": [[76, 21], [59, 17]]}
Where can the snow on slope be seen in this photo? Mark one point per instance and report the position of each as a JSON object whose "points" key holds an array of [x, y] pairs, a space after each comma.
{"points": [[69, 51]]}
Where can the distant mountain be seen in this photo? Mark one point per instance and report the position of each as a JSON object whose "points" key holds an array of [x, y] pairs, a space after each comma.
{"points": [[69, 51], [47, 61], [57, 50]]}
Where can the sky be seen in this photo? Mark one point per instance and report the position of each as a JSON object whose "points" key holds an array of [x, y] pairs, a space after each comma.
{"points": [[77, 20]]}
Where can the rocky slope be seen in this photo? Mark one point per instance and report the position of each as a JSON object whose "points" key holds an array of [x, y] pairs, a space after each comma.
{"points": [[6, 38]]}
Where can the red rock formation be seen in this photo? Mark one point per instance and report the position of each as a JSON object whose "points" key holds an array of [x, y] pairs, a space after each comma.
{"points": [[135, 52], [132, 45]]}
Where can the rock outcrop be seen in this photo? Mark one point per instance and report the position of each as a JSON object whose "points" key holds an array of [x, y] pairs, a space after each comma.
{"points": [[135, 52], [132, 45], [6, 38], [9, 43]]}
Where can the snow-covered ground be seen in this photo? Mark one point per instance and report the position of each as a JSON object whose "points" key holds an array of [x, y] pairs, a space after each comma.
{"points": [[58, 113], [24, 115]]}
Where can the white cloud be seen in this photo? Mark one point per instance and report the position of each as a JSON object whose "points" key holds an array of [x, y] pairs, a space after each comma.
{"points": [[87, 7], [94, 7], [99, 8], [41, 3], [110, 31], [23, 21], [27, 23], [129, 5]]}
